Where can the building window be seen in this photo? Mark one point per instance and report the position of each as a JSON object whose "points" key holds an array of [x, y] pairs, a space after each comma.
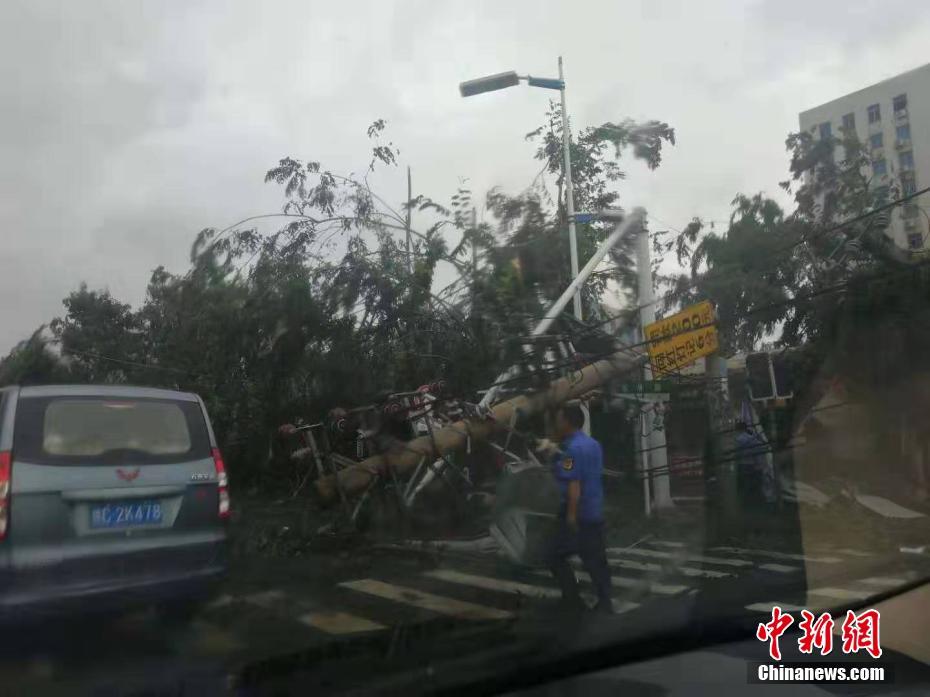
{"points": [[876, 140], [881, 195], [903, 132], [880, 168], [825, 130], [906, 159], [849, 122], [875, 113], [915, 240], [899, 103], [908, 186]]}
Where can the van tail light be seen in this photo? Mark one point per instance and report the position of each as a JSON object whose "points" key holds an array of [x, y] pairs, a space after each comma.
{"points": [[222, 483], [6, 474]]}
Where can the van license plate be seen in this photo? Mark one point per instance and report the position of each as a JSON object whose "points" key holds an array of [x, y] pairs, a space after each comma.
{"points": [[125, 515]]}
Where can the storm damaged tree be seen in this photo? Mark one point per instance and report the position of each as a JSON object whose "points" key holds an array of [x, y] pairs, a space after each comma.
{"points": [[534, 223]]}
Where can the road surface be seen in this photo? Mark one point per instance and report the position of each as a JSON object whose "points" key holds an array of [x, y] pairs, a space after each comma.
{"points": [[278, 614]]}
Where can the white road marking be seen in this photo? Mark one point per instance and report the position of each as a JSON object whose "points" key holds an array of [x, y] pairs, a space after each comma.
{"points": [[494, 584], [426, 601], [781, 568], [778, 555], [683, 557], [265, 599], [887, 508], [767, 607], [526, 589], [884, 581], [621, 606], [854, 552], [221, 601], [336, 622], [841, 593], [683, 570], [638, 584], [666, 543]]}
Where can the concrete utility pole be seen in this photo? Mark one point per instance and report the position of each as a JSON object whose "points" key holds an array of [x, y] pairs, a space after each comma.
{"points": [[623, 225], [407, 221], [404, 457], [656, 455], [569, 193], [722, 464], [474, 251]]}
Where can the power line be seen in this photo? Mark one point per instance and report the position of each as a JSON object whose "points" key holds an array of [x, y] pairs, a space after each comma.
{"points": [[122, 361], [799, 298], [712, 275]]}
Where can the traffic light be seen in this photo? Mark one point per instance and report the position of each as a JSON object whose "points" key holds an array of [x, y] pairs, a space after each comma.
{"points": [[769, 377], [759, 377]]}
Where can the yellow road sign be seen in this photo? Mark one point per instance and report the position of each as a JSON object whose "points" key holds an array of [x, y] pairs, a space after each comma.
{"points": [[679, 340]]}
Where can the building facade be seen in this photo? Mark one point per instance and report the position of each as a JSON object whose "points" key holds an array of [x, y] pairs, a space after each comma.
{"points": [[892, 119]]}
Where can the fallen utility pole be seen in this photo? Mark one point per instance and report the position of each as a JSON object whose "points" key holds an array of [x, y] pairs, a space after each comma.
{"points": [[623, 225], [405, 457]]}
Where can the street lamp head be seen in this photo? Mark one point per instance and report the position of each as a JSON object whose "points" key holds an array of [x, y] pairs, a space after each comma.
{"points": [[489, 83]]}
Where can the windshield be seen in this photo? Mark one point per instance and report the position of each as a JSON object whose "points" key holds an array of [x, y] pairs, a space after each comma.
{"points": [[498, 335], [91, 429]]}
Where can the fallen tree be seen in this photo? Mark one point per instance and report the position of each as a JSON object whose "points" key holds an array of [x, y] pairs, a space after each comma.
{"points": [[403, 457]]}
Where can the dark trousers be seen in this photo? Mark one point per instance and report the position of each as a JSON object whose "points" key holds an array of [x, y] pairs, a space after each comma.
{"points": [[587, 543]]}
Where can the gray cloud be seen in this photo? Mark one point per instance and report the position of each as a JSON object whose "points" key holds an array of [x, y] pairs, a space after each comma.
{"points": [[128, 126]]}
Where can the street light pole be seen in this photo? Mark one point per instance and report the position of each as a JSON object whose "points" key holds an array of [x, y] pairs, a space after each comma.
{"points": [[569, 193], [500, 81]]}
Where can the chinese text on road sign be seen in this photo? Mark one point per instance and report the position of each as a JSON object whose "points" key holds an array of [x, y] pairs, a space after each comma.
{"points": [[679, 340]]}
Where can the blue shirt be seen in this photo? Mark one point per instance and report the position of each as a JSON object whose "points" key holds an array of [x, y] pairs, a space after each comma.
{"points": [[750, 451], [581, 460]]}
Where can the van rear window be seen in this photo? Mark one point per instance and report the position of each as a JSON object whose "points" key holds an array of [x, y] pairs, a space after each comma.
{"points": [[106, 430]]}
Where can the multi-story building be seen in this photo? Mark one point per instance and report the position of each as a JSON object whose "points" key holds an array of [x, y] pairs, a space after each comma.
{"points": [[892, 119]]}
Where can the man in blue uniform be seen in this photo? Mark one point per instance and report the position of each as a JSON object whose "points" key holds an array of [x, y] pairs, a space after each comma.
{"points": [[578, 469]]}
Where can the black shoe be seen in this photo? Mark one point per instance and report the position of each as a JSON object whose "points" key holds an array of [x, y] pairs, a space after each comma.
{"points": [[604, 608]]}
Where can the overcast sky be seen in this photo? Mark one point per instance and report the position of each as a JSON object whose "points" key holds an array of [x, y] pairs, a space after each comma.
{"points": [[126, 127]]}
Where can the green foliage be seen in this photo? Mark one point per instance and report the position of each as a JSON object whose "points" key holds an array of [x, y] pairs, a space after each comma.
{"points": [[32, 362], [825, 279], [537, 237], [746, 272], [330, 309]]}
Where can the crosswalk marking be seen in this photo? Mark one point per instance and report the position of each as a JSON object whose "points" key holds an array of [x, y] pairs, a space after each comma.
{"points": [[778, 555], [494, 584], [621, 606], [265, 599], [674, 556], [528, 589], [336, 622], [426, 601], [884, 581], [767, 607], [637, 583], [781, 568], [841, 593], [683, 570], [667, 543], [221, 601]]}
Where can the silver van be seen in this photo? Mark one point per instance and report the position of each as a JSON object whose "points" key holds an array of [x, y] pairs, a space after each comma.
{"points": [[109, 495]]}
